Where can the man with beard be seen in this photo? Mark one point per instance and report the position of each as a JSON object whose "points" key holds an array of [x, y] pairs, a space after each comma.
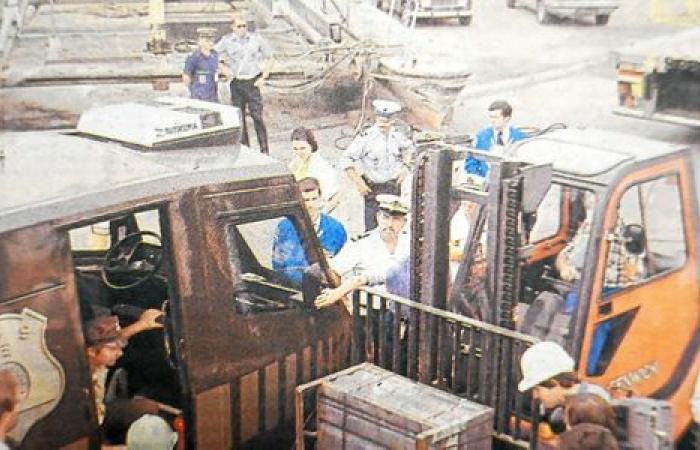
{"points": [[368, 260]]}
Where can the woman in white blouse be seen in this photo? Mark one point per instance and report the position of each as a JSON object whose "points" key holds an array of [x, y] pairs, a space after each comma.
{"points": [[307, 162]]}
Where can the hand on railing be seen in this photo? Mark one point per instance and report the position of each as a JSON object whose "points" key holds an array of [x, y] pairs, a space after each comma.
{"points": [[330, 296]]}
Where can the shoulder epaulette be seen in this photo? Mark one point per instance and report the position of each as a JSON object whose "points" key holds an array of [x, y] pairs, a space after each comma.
{"points": [[359, 236]]}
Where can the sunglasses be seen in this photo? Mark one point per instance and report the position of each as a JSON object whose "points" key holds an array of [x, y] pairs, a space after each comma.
{"points": [[242, 25]]}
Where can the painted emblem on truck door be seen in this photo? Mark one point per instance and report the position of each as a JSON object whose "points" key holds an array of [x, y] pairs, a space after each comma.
{"points": [[23, 350]]}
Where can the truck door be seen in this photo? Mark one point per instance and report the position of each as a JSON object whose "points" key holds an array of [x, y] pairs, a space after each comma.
{"points": [[41, 340], [248, 341], [642, 324]]}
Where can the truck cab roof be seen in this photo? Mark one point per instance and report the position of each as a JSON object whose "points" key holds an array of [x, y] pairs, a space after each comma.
{"points": [[50, 175]]}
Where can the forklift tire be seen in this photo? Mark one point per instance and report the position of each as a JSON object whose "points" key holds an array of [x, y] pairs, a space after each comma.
{"points": [[465, 20], [510, 4], [602, 19], [543, 16]]}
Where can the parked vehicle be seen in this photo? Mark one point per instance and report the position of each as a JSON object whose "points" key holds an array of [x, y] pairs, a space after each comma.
{"points": [[105, 217], [549, 10], [410, 11], [659, 79]]}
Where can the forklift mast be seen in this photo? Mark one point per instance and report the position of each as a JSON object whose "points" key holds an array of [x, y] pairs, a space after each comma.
{"points": [[506, 207]]}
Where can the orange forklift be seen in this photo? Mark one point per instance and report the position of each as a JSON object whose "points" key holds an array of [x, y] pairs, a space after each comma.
{"points": [[595, 195]]}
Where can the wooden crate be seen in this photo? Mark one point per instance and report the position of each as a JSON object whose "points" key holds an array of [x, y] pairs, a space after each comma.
{"points": [[366, 407]]}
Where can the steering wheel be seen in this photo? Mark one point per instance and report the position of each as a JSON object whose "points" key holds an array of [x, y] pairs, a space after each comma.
{"points": [[123, 258]]}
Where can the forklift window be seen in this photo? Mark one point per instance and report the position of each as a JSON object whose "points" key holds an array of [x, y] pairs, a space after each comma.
{"points": [[270, 259], [650, 228], [548, 218], [648, 240]]}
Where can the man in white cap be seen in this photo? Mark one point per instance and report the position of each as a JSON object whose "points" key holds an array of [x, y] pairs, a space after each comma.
{"points": [[377, 159], [549, 370], [375, 254]]}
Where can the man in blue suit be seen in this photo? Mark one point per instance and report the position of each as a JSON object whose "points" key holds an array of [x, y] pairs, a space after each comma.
{"points": [[499, 134]]}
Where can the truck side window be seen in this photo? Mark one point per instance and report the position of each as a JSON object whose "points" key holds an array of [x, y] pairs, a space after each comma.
{"points": [[270, 259]]}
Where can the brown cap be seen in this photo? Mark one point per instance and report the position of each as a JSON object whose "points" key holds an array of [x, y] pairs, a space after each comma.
{"points": [[103, 330]]}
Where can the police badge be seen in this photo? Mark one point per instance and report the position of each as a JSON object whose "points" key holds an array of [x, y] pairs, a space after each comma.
{"points": [[23, 350]]}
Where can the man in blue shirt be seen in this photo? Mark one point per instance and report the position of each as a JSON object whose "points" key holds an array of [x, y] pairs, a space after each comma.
{"points": [[201, 68], [499, 134], [288, 256]]}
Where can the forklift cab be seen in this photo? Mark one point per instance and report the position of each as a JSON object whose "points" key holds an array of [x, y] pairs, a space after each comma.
{"points": [[626, 210], [95, 225]]}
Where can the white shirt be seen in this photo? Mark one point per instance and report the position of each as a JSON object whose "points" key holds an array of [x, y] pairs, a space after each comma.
{"points": [[369, 256], [377, 155], [245, 55]]}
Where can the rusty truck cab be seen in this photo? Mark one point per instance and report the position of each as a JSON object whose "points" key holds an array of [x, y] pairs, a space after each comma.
{"points": [[639, 337], [91, 226]]}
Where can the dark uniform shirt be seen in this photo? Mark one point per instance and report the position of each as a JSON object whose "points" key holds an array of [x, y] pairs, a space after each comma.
{"points": [[202, 69]]}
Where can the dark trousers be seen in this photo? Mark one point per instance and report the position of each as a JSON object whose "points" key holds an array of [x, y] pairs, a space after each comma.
{"points": [[245, 93], [371, 204]]}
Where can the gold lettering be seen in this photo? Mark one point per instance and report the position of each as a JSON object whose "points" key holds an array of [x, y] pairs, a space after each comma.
{"points": [[5, 351]]}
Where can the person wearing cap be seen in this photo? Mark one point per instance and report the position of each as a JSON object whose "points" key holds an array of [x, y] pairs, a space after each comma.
{"points": [[499, 135], [150, 432], [375, 254], [105, 340], [248, 58], [202, 66], [376, 161], [288, 255]]}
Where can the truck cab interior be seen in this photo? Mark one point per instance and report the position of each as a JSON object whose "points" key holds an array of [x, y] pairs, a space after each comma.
{"points": [[121, 267]]}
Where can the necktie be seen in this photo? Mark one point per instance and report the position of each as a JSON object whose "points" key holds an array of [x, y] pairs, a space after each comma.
{"points": [[499, 138]]}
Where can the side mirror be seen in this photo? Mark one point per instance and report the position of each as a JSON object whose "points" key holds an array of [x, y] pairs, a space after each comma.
{"points": [[635, 239]]}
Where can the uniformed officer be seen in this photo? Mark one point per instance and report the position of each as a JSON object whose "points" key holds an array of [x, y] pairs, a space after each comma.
{"points": [[202, 66], [377, 159], [375, 254]]}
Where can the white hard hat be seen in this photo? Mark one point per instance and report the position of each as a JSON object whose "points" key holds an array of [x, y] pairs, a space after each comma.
{"points": [[150, 433], [541, 362]]}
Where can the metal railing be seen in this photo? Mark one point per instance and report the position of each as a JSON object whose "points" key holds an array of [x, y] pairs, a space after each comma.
{"points": [[466, 357]]}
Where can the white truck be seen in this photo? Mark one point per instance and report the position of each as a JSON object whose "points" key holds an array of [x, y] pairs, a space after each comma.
{"points": [[410, 11], [548, 10], [659, 79]]}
